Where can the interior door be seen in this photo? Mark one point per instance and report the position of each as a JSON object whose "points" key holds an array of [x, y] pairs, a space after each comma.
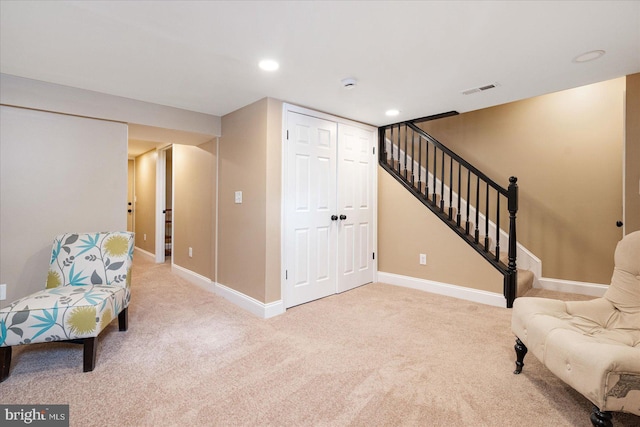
{"points": [[355, 207], [310, 202]]}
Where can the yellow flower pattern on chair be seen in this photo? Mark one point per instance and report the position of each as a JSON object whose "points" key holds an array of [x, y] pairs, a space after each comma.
{"points": [[82, 320], [116, 246], [53, 279], [107, 317]]}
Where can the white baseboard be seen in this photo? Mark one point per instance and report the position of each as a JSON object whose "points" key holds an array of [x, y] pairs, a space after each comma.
{"points": [[149, 255], [252, 305], [193, 277], [469, 294], [570, 286]]}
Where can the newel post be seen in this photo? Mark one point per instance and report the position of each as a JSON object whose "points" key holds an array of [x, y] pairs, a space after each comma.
{"points": [[511, 278]]}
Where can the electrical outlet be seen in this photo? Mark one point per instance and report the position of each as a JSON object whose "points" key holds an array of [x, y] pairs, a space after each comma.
{"points": [[423, 259], [238, 197], [144, 237], [190, 252], [3, 292]]}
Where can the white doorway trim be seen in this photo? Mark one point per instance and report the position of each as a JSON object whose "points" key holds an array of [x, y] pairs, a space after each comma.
{"points": [[161, 200], [131, 186]]}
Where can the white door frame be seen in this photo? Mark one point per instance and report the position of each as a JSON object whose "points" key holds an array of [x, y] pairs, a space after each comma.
{"points": [[132, 185], [286, 108], [161, 200]]}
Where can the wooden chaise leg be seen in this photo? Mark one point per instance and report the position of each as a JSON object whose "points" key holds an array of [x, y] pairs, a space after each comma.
{"points": [[90, 347], [5, 362], [123, 319], [601, 418], [521, 351]]}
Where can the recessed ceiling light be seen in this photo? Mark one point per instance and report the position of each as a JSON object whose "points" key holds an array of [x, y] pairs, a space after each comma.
{"points": [[589, 56], [392, 112], [269, 65]]}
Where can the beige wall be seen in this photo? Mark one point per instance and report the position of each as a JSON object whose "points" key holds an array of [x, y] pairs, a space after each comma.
{"points": [[249, 233], [145, 201], [273, 284], [407, 228], [566, 150], [632, 150], [58, 174], [242, 227], [23, 92], [194, 207]]}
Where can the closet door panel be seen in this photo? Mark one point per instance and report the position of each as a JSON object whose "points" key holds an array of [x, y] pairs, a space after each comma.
{"points": [[310, 200], [356, 165]]}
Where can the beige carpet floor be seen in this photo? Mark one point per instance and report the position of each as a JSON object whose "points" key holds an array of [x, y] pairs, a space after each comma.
{"points": [[376, 356]]}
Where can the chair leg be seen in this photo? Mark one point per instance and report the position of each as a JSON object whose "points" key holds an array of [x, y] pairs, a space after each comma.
{"points": [[90, 347], [5, 362], [601, 418], [123, 319], [521, 351]]}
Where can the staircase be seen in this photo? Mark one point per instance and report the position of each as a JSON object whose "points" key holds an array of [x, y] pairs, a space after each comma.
{"points": [[469, 202]]}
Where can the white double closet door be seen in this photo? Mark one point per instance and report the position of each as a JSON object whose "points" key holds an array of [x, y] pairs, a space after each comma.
{"points": [[329, 207]]}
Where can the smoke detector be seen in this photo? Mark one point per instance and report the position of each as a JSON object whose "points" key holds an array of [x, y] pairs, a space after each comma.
{"points": [[349, 83]]}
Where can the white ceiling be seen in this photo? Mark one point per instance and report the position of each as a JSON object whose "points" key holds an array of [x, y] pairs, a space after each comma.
{"points": [[414, 56]]}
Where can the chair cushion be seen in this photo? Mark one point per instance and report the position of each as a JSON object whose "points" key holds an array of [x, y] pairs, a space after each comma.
{"points": [[62, 313], [534, 318]]}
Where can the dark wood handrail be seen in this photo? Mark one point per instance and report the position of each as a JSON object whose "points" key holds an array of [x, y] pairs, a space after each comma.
{"points": [[459, 159]]}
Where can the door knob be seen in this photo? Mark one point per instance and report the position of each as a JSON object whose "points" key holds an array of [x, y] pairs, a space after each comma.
{"points": [[334, 217], [342, 217], [619, 224]]}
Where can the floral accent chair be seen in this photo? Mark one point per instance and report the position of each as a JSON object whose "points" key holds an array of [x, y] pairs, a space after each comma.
{"points": [[88, 285]]}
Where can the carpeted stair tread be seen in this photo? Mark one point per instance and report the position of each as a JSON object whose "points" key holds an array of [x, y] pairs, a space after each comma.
{"points": [[525, 282], [525, 277]]}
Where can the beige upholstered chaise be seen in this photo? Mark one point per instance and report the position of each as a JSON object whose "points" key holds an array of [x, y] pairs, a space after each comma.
{"points": [[593, 346], [88, 285]]}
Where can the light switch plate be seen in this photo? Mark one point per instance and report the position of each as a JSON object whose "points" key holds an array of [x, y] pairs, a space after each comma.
{"points": [[238, 197], [3, 292]]}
